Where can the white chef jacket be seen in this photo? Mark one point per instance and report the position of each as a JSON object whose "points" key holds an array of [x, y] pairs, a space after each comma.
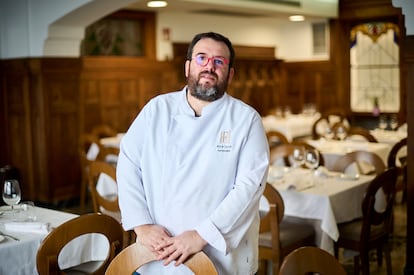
{"points": [[203, 173]]}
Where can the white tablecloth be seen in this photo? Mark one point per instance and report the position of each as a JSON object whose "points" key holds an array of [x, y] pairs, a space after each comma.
{"points": [[292, 126], [389, 137], [330, 200], [333, 149], [19, 257]]}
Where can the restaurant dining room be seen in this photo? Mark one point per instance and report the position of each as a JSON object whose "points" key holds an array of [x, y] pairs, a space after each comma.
{"points": [[331, 80]]}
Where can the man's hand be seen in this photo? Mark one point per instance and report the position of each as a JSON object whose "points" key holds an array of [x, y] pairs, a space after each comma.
{"points": [[179, 248], [151, 236]]}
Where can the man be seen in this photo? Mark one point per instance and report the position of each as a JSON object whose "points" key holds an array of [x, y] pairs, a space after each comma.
{"points": [[193, 166]]}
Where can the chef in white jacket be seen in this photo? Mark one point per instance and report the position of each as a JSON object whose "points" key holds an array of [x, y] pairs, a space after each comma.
{"points": [[193, 166]]}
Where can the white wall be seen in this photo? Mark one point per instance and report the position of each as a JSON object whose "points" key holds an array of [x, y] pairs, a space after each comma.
{"points": [[292, 40]]}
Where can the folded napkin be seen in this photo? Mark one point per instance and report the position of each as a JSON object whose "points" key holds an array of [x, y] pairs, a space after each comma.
{"points": [[27, 227]]}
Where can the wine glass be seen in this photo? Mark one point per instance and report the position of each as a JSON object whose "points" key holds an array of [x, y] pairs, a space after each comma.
{"points": [[382, 123], [298, 157], [329, 134], [341, 132], [312, 158], [393, 123], [11, 192]]}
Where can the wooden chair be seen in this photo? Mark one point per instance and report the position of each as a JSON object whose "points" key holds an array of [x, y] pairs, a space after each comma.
{"points": [[360, 157], [373, 229], [106, 203], [275, 138], [361, 133], [279, 236], [329, 118], [55, 241], [399, 160], [281, 153], [310, 260], [103, 130], [85, 142], [137, 255]]}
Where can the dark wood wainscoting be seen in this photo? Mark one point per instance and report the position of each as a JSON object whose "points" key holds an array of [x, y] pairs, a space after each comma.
{"points": [[47, 102]]}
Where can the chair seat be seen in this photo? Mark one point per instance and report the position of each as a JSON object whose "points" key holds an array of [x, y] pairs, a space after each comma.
{"points": [[84, 268], [352, 230], [291, 234]]}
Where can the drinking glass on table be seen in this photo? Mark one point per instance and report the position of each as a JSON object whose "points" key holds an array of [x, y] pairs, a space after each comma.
{"points": [[298, 157], [382, 124], [394, 122], [329, 134], [11, 192], [341, 132], [312, 158]]}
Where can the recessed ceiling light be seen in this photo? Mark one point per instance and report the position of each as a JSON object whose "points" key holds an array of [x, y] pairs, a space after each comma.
{"points": [[296, 18], [157, 4]]}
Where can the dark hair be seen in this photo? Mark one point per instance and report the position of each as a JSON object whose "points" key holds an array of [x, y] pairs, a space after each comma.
{"points": [[215, 36]]}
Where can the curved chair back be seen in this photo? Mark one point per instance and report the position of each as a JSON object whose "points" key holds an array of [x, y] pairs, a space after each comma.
{"points": [[96, 168], [362, 133], [275, 138], [359, 157], [55, 241], [136, 255], [310, 260]]}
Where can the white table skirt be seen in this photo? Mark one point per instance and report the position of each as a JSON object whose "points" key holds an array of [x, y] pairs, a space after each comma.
{"points": [[328, 202], [292, 126], [19, 257], [333, 149]]}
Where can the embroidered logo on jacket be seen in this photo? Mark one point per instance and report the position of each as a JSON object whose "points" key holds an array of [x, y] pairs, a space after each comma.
{"points": [[224, 142]]}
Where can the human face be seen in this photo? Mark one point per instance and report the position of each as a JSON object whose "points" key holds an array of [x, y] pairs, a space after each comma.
{"points": [[208, 82]]}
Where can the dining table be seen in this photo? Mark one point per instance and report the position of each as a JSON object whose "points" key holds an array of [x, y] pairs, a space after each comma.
{"points": [[20, 238], [292, 125], [321, 198], [331, 150]]}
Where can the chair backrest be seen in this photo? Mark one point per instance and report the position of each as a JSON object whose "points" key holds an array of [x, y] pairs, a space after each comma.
{"points": [[394, 154], [379, 213], [55, 241], [136, 255], [310, 260], [328, 119], [275, 138], [359, 157], [96, 168], [270, 221], [103, 130], [362, 133]]}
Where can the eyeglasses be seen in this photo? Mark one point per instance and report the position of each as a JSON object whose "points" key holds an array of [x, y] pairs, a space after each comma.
{"points": [[218, 61]]}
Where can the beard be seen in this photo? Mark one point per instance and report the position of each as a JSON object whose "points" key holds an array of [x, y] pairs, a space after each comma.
{"points": [[206, 92]]}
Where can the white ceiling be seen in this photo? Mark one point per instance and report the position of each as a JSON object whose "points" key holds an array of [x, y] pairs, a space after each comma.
{"points": [[249, 8]]}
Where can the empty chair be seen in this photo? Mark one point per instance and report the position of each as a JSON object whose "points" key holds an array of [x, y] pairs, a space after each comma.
{"points": [[328, 120], [279, 236], [372, 231], [310, 260], [136, 255], [86, 141], [366, 162], [359, 133], [55, 241], [398, 158], [275, 138], [103, 130]]}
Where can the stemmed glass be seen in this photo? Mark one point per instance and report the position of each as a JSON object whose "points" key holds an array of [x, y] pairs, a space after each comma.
{"points": [[393, 123], [341, 132], [312, 158], [382, 123], [298, 157], [329, 134], [11, 192]]}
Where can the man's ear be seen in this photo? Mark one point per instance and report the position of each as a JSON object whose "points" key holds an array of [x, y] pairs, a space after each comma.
{"points": [[187, 67]]}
